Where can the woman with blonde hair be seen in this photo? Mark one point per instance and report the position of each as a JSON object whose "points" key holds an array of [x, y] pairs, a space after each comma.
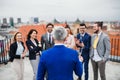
{"points": [[17, 54]]}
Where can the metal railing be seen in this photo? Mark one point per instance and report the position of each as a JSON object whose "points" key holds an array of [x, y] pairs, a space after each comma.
{"points": [[4, 50], [114, 56], [115, 48]]}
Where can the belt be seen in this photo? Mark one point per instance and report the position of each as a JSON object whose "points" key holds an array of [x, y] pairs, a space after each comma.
{"points": [[19, 58]]}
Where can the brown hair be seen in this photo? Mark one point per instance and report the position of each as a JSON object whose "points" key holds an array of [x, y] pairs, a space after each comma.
{"points": [[30, 32], [16, 35], [67, 26], [83, 24], [50, 24], [100, 24]]}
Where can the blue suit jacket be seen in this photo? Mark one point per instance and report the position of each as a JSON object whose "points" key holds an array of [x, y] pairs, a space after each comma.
{"points": [[87, 41], [59, 62]]}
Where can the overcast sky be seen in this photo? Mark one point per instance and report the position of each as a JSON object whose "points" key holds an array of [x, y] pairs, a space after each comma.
{"points": [[61, 9]]}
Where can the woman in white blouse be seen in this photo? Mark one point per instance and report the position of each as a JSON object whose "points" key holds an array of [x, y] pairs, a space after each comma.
{"points": [[17, 54]]}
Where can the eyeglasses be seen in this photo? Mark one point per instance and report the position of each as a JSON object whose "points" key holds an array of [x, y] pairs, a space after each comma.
{"points": [[82, 28]]}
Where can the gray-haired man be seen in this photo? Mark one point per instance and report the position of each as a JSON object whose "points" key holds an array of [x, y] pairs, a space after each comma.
{"points": [[59, 61]]}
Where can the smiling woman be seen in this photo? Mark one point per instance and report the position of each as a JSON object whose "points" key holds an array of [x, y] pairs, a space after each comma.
{"points": [[34, 50], [17, 54]]}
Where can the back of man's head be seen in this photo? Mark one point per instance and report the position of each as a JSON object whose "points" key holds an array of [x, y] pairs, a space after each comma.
{"points": [[59, 33]]}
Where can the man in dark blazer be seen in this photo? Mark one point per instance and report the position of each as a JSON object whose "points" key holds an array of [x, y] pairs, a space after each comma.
{"points": [[100, 50], [59, 61], [84, 44], [47, 40]]}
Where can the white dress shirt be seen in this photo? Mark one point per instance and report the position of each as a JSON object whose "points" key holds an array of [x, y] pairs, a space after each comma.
{"points": [[49, 36]]}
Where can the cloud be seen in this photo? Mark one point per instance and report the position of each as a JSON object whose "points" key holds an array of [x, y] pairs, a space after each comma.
{"points": [[61, 9]]}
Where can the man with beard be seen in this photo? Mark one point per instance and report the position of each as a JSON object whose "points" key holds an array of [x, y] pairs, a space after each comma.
{"points": [[83, 43], [100, 50], [47, 39]]}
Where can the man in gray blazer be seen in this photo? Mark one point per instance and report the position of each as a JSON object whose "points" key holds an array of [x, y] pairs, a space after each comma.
{"points": [[47, 39], [100, 50]]}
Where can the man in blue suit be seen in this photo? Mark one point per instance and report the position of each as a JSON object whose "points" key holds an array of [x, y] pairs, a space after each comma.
{"points": [[83, 43], [59, 61]]}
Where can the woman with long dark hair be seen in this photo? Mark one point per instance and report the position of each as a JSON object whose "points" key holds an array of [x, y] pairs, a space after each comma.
{"points": [[70, 40], [34, 50]]}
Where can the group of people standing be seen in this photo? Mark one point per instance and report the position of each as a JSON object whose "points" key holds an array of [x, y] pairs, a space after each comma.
{"points": [[56, 56]]}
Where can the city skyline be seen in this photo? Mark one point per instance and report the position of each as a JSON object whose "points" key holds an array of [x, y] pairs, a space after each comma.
{"points": [[62, 10]]}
